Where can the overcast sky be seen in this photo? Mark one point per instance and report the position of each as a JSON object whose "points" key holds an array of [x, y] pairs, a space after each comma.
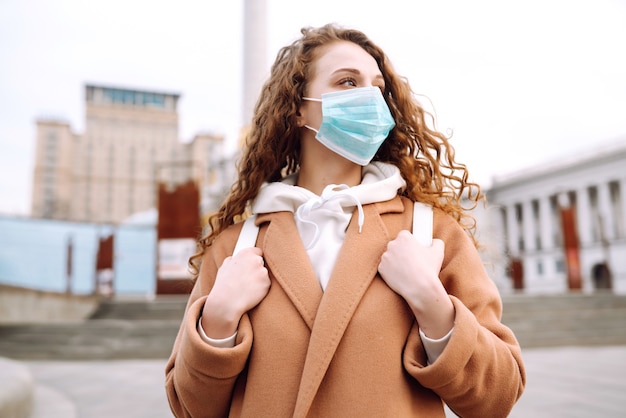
{"points": [[518, 82]]}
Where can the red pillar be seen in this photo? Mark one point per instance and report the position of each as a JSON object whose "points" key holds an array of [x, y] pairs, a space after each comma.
{"points": [[570, 245], [178, 229], [104, 267]]}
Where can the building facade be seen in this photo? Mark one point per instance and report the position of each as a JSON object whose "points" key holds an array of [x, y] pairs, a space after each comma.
{"points": [[54, 170], [559, 227], [130, 145]]}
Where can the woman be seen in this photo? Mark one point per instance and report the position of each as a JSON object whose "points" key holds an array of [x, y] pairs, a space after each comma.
{"points": [[339, 311]]}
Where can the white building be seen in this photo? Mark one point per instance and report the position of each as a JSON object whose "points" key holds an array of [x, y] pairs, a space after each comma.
{"points": [[560, 226]]}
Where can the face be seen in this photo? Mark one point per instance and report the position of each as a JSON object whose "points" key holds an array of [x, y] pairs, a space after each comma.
{"points": [[340, 65]]}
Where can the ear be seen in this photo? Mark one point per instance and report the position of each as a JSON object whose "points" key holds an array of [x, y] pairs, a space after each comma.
{"points": [[299, 119]]}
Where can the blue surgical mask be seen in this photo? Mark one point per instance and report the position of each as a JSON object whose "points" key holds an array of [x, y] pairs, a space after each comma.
{"points": [[355, 123]]}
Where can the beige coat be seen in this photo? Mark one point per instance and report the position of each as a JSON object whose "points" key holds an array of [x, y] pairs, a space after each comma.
{"points": [[353, 350]]}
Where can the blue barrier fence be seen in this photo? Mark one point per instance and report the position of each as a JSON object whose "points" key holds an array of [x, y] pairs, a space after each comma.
{"points": [[34, 254]]}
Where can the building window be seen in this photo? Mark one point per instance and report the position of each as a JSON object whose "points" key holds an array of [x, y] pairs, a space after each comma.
{"points": [[536, 224], [128, 97], [48, 192], [111, 179], [560, 266], [519, 220], [594, 212], [503, 222], [134, 98], [539, 268], [153, 176], [49, 176], [617, 211], [51, 138], [153, 100], [88, 184], [48, 208], [50, 158], [118, 96], [51, 148], [131, 180]]}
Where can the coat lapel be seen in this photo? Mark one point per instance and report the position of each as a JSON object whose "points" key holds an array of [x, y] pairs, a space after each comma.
{"points": [[356, 266], [287, 259]]}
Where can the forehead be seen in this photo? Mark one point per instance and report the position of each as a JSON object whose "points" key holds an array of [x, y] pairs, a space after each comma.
{"points": [[344, 54]]}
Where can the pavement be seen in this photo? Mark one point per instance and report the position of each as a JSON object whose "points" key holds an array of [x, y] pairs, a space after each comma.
{"points": [[562, 382]]}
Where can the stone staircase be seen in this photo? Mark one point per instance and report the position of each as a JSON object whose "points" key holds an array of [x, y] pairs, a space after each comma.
{"points": [[146, 329], [166, 308], [568, 319], [118, 329]]}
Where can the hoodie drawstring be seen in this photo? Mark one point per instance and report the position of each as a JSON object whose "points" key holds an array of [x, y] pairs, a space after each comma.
{"points": [[331, 192]]}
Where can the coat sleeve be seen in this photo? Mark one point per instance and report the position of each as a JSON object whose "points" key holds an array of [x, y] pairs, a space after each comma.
{"points": [[199, 378], [480, 373]]}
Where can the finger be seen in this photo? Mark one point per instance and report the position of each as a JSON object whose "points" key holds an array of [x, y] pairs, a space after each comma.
{"points": [[227, 260], [403, 235], [437, 243]]}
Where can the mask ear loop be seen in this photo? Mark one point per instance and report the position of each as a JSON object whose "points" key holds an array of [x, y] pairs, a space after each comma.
{"points": [[312, 100], [311, 128]]}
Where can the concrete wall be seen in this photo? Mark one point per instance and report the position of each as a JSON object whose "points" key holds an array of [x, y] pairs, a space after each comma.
{"points": [[20, 305]]}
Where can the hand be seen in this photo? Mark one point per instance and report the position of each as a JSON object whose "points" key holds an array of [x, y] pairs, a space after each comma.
{"points": [[412, 271], [241, 283]]}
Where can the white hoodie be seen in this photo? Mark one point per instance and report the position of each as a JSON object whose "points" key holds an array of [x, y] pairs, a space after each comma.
{"points": [[322, 220]]}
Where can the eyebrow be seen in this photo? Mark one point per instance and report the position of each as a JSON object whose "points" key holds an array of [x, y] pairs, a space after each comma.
{"points": [[354, 71]]}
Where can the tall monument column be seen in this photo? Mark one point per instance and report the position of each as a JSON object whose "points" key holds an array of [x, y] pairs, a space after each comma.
{"points": [[255, 69]]}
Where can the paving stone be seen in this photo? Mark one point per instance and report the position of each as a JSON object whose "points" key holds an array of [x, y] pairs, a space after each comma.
{"points": [[563, 382]]}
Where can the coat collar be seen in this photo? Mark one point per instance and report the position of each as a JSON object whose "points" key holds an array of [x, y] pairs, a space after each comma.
{"points": [[328, 313], [288, 261]]}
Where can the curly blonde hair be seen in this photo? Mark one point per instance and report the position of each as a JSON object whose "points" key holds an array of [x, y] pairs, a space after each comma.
{"points": [[423, 155]]}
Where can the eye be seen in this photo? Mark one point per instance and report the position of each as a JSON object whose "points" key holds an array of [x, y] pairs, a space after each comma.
{"points": [[348, 81]]}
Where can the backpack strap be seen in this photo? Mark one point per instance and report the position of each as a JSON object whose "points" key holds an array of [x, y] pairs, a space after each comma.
{"points": [[247, 236], [422, 228], [423, 223]]}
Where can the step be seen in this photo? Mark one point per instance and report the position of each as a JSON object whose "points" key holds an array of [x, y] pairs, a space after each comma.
{"points": [[557, 338], [163, 307], [131, 329], [570, 319], [94, 339], [517, 303]]}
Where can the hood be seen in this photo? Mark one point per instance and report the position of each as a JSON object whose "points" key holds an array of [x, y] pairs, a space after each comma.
{"points": [[380, 182], [322, 220]]}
